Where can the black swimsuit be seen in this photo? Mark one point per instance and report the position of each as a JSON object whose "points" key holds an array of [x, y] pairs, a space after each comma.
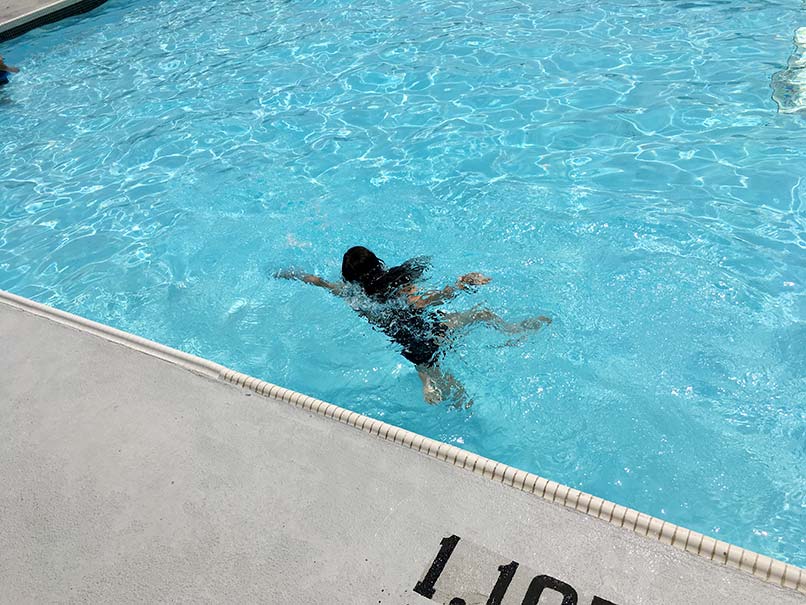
{"points": [[418, 331]]}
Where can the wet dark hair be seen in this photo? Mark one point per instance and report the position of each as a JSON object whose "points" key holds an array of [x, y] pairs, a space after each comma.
{"points": [[361, 266]]}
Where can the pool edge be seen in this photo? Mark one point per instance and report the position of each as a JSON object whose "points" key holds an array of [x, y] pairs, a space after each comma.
{"points": [[42, 15], [760, 566]]}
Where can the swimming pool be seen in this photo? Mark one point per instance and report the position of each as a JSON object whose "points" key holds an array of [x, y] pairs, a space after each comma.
{"points": [[620, 167]]}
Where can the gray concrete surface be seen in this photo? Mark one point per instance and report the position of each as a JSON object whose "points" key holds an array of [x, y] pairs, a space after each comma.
{"points": [[127, 479], [14, 12]]}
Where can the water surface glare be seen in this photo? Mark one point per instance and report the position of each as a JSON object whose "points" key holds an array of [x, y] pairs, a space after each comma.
{"points": [[618, 165]]}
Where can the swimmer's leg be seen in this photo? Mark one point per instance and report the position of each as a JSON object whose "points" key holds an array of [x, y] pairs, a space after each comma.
{"points": [[439, 385], [431, 393], [477, 315]]}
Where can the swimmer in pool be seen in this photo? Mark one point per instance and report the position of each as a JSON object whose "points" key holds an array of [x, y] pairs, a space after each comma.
{"points": [[5, 70], [390, 301]]}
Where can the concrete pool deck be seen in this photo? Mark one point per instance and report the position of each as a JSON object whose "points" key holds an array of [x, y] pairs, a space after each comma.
{"points": [[133, 473], [12, 10], [20, 16]]}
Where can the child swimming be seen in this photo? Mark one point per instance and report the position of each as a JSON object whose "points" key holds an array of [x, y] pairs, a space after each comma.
{"points": [[5, 70], [390, 301]]}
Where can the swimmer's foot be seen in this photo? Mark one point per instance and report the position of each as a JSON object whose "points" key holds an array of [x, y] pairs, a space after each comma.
{"points": [[527, 325], [431, 393], [463, 403], [535, 323]]}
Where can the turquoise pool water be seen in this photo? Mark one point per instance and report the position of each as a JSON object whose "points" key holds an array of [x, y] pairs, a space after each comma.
{"points": [[619, 166]]}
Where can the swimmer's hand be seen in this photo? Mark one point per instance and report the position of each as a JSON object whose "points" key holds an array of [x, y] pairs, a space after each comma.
{"points": [[472, 279], [437, 297], [288, 274], [307, 278]]}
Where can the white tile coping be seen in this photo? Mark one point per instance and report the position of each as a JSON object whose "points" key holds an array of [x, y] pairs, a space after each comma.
{"points": [[761, 566]]}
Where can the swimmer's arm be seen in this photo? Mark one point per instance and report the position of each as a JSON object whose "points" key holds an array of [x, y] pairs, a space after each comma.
{"points": [[8, 68], [307, 278], [433, 297], [334, 287], [437, 297]]}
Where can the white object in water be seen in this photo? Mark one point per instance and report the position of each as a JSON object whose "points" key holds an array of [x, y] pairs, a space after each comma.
{"points": [[789, 85]]}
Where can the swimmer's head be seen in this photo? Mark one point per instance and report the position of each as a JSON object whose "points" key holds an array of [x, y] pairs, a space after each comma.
{"points": [[361, 266]]}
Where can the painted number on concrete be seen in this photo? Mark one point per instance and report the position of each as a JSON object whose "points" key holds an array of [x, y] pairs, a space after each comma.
{"points": [[460, 585]]}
